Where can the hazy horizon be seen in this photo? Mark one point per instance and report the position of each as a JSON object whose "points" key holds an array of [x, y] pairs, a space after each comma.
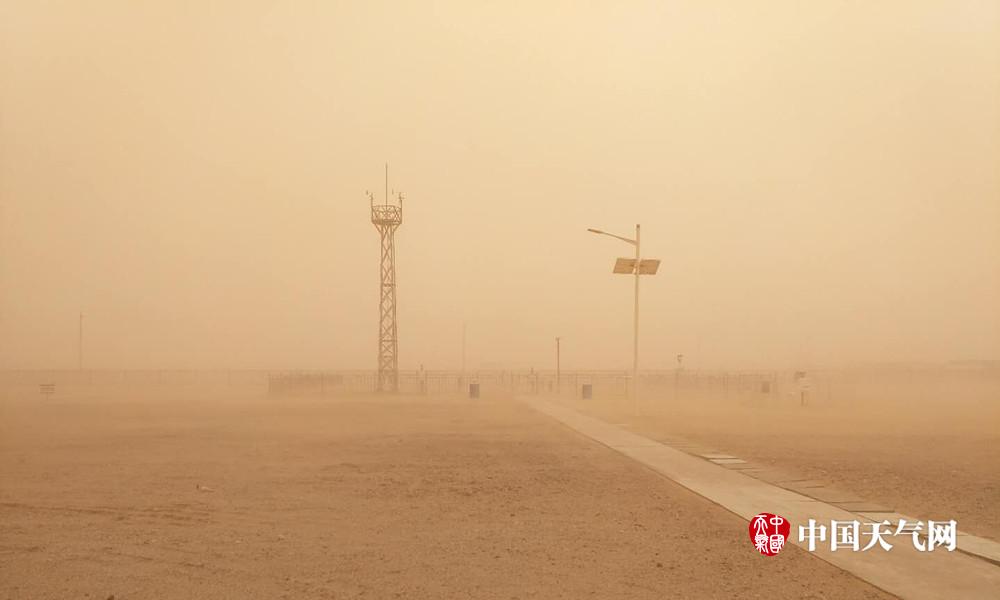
{"points": [[821, 182]]}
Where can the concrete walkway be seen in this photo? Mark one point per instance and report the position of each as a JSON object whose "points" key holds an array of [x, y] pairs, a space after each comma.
{"points": [[903, 571]]}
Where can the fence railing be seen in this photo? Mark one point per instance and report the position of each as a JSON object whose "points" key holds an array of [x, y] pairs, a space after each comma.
{"points": [[603, 383], [686, 384]]}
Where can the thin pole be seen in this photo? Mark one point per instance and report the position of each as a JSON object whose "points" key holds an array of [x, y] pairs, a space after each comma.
{"points": [[635, 333], [463, 351], [558, 369], [79, 345]]}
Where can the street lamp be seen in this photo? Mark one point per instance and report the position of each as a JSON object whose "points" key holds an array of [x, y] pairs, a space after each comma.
{"points": [[633, 266]]}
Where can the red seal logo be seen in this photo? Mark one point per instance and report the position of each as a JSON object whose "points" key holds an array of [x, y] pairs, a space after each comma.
{"points": [[768, 533]]}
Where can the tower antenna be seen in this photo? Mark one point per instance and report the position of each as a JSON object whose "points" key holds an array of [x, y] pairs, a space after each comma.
{"points": [[387, 218]]}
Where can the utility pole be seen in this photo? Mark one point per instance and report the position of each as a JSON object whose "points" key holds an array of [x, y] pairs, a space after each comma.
{"points": [[635, 326], [677, 373], [558, 368]]}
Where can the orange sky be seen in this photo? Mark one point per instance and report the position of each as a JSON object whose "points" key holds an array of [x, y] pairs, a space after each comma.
{"points": [[821, 181]]}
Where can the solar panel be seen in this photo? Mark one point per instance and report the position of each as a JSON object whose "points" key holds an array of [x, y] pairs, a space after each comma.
{"points": [[648, 266], [624, 266]]}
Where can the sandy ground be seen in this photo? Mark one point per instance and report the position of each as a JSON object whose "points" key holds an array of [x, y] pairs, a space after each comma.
{"points": [[249, 497], [934, 457]]}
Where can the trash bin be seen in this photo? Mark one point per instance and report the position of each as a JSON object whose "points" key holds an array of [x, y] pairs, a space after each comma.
{"points": [[473, 390], [586, 391]]}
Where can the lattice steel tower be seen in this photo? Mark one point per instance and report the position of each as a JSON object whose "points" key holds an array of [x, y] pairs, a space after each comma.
{"points": [[387, 218]]}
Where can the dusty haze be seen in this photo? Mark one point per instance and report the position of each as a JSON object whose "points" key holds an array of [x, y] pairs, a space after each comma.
{"points": [[820, 180]]}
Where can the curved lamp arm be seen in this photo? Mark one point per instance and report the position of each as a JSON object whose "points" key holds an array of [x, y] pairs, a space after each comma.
{"points": [[624, 239]]}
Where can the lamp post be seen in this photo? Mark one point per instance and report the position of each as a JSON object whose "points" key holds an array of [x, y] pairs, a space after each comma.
{"points": [[637, 266]]}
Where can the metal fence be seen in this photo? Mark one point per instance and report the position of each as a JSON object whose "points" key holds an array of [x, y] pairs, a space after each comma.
{"points": [[603, 383], [844, 385]]}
